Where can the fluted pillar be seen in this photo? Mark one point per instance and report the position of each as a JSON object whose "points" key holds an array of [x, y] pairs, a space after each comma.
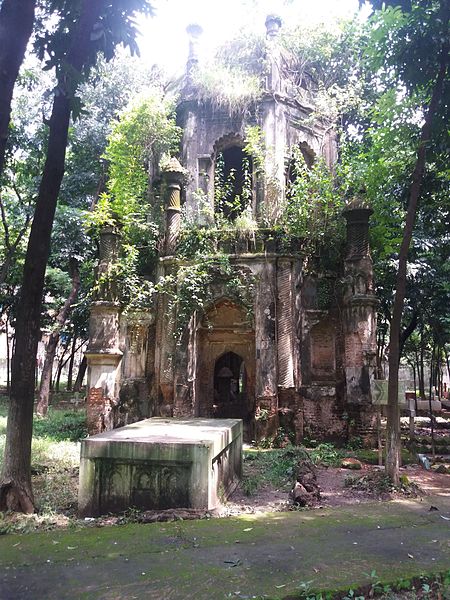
{"points": [[173, 175], [359, 317], [103, 354]]}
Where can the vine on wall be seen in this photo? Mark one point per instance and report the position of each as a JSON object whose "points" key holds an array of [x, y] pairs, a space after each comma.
{"points": [[198, 283]]}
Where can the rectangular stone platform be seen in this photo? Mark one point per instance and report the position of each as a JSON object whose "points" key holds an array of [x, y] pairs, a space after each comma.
{"points": [[160, 463]]}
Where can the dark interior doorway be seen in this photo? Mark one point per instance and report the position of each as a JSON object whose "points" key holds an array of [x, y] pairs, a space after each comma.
{"points": [[230, 387]]}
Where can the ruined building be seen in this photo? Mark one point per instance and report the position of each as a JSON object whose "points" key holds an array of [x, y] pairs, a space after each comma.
{"points": [[282, 342]]}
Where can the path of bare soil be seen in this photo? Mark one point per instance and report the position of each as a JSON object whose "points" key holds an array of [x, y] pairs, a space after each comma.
{"points": [[271, 556]]}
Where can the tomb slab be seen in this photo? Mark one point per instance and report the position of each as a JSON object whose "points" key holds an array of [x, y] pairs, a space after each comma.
{"points": [[160, 463]]}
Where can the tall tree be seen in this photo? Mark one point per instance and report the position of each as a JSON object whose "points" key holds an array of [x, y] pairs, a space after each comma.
{"points": [[52, 344], [16, 26], [85, 28], [402, 140], [434, 89]]}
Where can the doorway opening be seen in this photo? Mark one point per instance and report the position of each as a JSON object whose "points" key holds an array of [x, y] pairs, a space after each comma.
{"points": [[230, 387]]}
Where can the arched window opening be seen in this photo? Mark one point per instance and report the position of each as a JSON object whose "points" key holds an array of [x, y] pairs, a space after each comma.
{"points": [[300, 161], [233, 183]]}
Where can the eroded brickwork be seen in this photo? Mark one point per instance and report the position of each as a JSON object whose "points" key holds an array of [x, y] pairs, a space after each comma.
{"points": [[99, 411], [293, 353]]}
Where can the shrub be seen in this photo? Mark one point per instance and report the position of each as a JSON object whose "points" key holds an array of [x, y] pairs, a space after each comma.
{"points": [[61, 426]]}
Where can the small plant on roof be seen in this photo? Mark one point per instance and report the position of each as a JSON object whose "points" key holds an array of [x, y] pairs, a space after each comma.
{"points": [[231, 89]]}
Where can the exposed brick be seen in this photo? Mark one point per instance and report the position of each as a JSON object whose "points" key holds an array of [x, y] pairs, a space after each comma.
{"points": [[98, 411]]}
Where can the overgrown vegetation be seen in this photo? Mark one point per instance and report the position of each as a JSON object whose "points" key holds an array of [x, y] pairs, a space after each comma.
{"points": [[314, 203], [192, 288], [54, 464], [143, 138], [145, 133], [379, 483], [424, 587], [61, 425], [231, 88], [273, 463], [276, 467]]}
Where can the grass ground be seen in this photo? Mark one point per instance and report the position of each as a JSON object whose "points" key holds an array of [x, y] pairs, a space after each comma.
{"points": [[290, 555], [55, 459], [54, 463]]}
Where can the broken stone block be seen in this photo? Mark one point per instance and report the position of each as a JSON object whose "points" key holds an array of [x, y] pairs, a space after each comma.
{"points": [[305, 491], [351, 463], [441, 468], [300, 495]]}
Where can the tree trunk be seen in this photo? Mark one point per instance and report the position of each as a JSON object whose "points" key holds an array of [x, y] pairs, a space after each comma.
{"points": [[61, 364], [430, 399], [72, 359], [447, 360], [407, 332], [393, 441], [381, 338], [52, 344], [8, 356], [15, 484], [415, 388], [421, 366], [16, 25], [80, 376], [46, 375], [438, 372]]}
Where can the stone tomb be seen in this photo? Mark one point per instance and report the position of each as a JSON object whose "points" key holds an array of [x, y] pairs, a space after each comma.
{"points": [[160, 463]]}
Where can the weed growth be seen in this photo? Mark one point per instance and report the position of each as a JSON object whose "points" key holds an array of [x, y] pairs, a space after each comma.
{"points": [[435, 586], [326, 454], [61, 425], [55, 454], [276, 467], [378, 483]]}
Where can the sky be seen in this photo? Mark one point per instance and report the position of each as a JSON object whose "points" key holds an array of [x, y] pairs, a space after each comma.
{"points": [[164, 38]]}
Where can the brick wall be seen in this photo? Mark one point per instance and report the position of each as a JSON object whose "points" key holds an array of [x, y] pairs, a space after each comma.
{"points": [[323, 415], [99, 413]]}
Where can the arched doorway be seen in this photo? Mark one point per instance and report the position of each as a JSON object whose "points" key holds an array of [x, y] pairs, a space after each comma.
{"points": [[230, 387], [225, 365]]}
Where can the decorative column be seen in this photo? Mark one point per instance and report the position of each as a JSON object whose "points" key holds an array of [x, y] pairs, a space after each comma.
{"points": [[273, 26], [103, 354], [266, 376], [194, 32], [359, 317], [173, 175], [285, 324], [274, 126]]}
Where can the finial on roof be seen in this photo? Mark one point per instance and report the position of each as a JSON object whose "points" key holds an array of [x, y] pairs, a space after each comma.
{"points": [[273, 25], [173, 171], [172, 166], [194, 32], [358, 202]]}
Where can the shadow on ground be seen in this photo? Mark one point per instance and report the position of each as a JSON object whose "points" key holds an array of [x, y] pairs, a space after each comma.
{"points": [[261, 555]]}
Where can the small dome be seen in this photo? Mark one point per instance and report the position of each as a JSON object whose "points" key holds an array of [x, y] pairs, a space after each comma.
{"points": [[173, 166], [358, 203]]}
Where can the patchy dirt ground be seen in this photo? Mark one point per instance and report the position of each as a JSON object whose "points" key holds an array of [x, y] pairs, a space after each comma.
{"points": [[267, 499], [334, 492]]}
